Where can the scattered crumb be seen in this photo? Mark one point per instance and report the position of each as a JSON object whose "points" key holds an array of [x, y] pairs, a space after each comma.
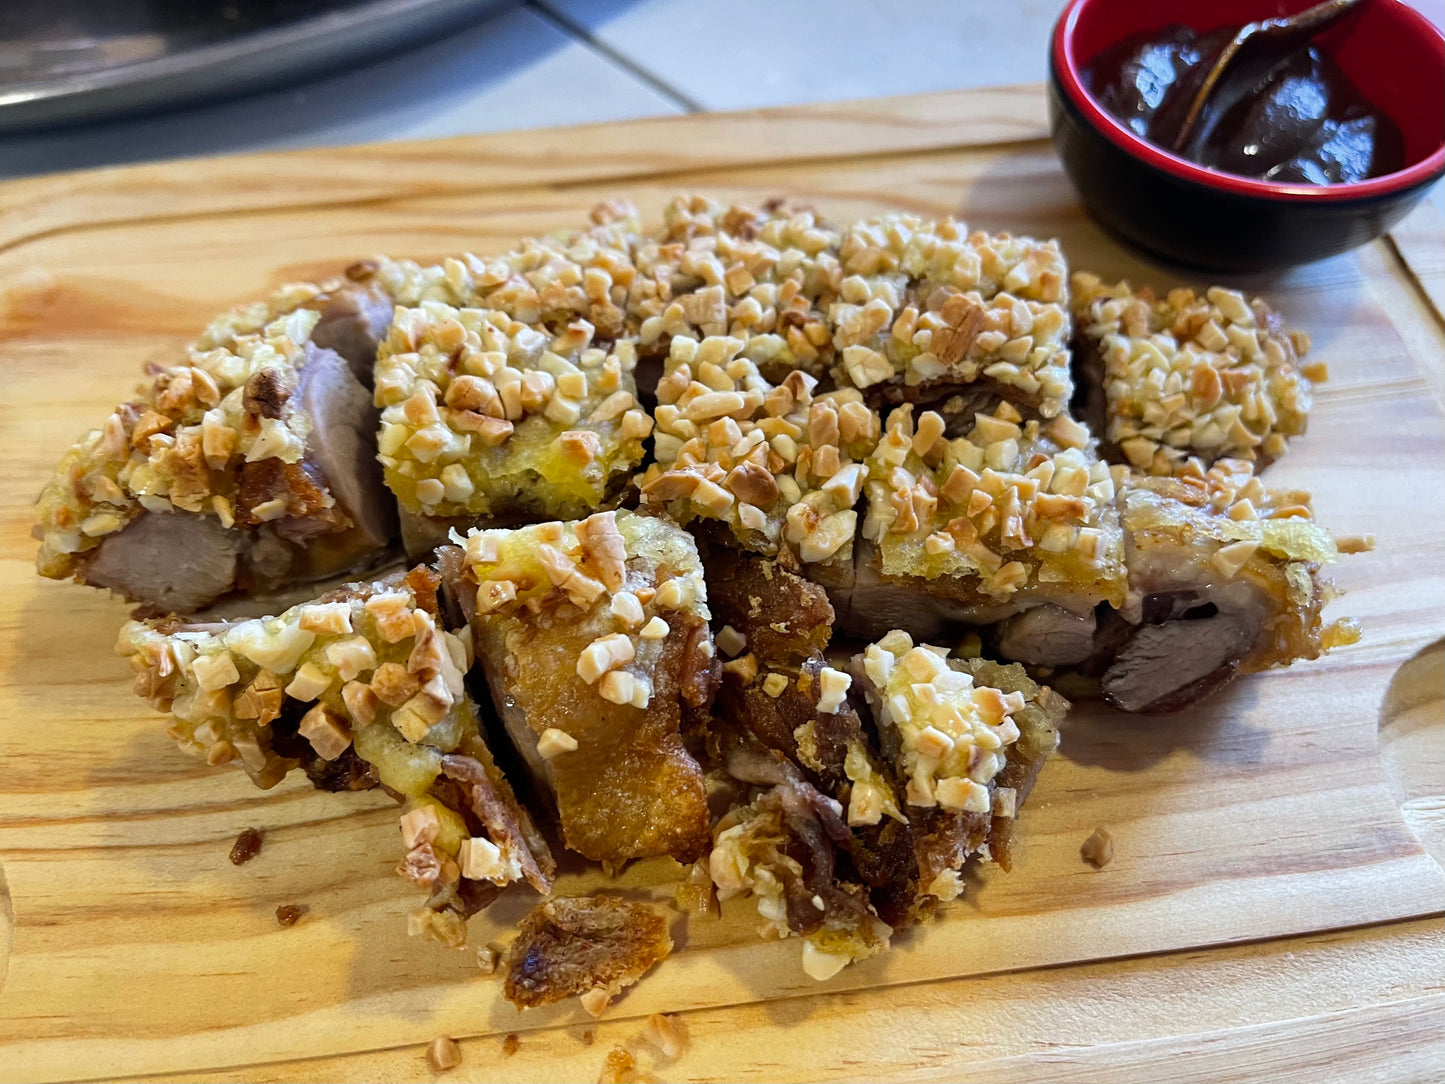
{"points": [[619, 1068], [487, 958], [589, 1037], [1355, 543], [1098, 849], [666, 1033], [246, 847], [591, 947], [444, 1054], [596, 1000], [694, 894], [511, 1044], [288, 914]]}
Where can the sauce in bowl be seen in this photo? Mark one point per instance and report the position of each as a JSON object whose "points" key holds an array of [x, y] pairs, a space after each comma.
{"points": [[1292, 117]]}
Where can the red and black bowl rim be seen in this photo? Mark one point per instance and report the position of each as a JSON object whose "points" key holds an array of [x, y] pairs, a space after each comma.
{"points": [[1064, 67]]}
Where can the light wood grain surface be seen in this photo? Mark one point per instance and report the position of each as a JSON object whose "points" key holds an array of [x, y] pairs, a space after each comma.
{"points": [[1270, 816]]}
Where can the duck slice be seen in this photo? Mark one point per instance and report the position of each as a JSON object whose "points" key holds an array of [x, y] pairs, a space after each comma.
{"points": [[594, 639]]}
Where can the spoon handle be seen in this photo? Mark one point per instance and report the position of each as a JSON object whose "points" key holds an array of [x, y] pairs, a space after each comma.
{"points": [[1297, 27]]}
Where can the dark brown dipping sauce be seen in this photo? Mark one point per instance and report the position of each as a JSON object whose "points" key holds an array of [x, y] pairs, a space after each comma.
{"points": [[1293, 117]]}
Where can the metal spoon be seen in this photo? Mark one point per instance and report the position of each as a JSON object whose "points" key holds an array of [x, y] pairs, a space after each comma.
{"points": [[1284, 32]]}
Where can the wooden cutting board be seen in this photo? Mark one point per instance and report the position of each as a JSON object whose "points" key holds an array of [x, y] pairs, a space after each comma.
{"points": [[1273, 906]]}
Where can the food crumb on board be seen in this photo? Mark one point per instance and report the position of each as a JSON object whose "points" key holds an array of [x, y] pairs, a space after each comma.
{"points": [[288, 914], [511, 1044], [596, 1000], [487, 957], [247, 846], [666, 1034], [619, 1068], [1098, 849], [443, 1054], [589, 1037]]}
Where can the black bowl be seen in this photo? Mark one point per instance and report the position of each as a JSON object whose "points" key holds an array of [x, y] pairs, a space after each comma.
{"points": [[1205, 218]]}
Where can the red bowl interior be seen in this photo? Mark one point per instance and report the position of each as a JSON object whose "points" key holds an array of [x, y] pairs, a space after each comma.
{"points": [[1392, 53]]}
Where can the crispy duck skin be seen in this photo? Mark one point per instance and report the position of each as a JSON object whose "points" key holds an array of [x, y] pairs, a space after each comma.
{"points": [[360, 687], [777, 691], [584, 946], [1166, 380], [785, 844], [250, 466], [594, 639], [968, 736]]}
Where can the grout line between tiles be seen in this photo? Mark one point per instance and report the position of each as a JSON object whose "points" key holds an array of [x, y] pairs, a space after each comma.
{"points": [[576, 30]]}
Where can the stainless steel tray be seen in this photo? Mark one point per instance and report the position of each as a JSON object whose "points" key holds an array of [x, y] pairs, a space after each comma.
{"points": [[63, 61]]}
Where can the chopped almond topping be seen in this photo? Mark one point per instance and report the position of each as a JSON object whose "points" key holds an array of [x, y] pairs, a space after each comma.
{"points": [[443, 1054], [1098, 849], [553, 743], [326, 731]]}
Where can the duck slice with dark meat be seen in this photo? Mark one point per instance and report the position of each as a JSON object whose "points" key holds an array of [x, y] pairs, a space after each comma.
{"points": [[267, 438], [1046, 635], [354, 320], [177, 562], [1227, 575], [342, 448]]}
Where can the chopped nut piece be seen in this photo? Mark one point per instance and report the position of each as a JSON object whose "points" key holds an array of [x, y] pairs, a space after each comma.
{"points": [[1098, 849], [730, 641], [595, 1001], [655, 629], [604, 654], [215, 671], [665, 1033], [326, 731], [309, 683], [554, 742], [744, 668], [487, 957], [333, 618], [627, 609], [481, 860], [833, 688], [1355, 543], [443, 1054], [420, 825]]}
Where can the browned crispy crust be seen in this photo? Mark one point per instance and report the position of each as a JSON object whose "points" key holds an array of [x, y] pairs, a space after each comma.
{"points": [[566, 947]]}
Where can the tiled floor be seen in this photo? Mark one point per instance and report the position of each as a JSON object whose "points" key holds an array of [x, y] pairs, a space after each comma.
{"points": [[548, 62]]}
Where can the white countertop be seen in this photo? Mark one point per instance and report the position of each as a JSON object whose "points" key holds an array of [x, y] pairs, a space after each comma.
{"points": [[540, 63]]}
